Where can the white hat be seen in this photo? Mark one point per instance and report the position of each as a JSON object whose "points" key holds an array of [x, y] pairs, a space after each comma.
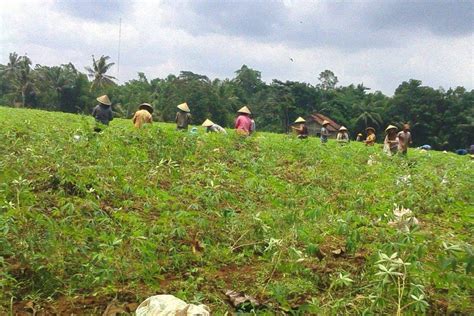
{"points": [[207, 123], [343, 128], [184, 107], [390, 127], [244, 110], [300, 120], [104, 100]]}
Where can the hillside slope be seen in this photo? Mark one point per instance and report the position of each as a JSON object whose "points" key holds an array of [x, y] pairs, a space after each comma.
{"points": [[302, 226]]}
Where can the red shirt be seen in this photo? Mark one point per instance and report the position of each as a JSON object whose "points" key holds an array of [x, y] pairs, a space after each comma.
{"points": [[244, 123]]}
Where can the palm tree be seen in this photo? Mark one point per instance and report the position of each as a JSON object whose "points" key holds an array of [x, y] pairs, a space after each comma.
{"points": [[11, 69], [59, 78], [369, 116], [98, 70], [23, 82]]}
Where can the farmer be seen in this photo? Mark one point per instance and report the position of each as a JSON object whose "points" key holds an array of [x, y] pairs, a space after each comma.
{"points": [[404, 139], [370, 140], [102, 112], [342, 135], [243, 124], [301, 129], [324, 132], [391, 140], [183, 117], [211, 127], [359, 137], [143, 115]]}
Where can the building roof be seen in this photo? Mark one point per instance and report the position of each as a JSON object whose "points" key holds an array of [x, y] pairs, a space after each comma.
{"points": [[319, 118]]}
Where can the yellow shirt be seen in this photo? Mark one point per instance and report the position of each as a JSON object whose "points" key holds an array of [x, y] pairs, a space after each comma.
{"points": [[141, 117], [370, 140]]}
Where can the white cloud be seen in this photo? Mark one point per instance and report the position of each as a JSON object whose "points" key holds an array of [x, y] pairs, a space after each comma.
{"points": [[159, 38]]}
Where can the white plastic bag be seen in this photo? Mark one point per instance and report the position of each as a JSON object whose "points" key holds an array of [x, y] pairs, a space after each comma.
{"points": [[168, 305]]}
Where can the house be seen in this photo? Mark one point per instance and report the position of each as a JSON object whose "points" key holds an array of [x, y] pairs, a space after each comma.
{"points": [[314, 123]]}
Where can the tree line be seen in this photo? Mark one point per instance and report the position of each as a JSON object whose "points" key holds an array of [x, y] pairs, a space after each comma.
{"points": [[442, 118]]}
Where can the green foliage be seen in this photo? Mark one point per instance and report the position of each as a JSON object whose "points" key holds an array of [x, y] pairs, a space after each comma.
{"points": [[443, 119], [158, 211]]}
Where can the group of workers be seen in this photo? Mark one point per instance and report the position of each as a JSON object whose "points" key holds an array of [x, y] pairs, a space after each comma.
{"points": [[394, 142], [244, 125]]}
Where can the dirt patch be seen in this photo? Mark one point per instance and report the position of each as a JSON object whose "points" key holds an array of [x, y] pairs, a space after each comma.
{"points": [[124, 304]]}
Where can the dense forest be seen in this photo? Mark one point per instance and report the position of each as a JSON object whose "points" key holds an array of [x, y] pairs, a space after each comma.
{"points": [[441, 118]]}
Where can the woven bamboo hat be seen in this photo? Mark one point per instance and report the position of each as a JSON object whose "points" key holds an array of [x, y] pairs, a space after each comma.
{"points": [[244, 110], [146, 106], [342, 129], [325, 122], [207, 123], [300, 120], [390, 127], [104, 99], [370, 129], [184, 107], [360, 134]]}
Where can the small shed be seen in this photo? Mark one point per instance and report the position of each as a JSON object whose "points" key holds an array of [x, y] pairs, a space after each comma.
{"points": [[314, 123]]}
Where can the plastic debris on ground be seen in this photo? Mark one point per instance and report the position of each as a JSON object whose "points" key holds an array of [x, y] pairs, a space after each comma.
{"points": [[169, 305], [239, 300]]}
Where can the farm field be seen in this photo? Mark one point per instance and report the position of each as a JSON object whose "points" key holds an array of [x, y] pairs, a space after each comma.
{"points": [[94, 221]]}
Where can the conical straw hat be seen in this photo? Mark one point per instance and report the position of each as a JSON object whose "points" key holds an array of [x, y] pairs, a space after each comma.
{"points": [[390, 127], [146, 106], [104, 99], [300, 120], [370, 128], [207, 123], [360, 134], [343, 128], [184, 107], [244, 110], [325, 122]]}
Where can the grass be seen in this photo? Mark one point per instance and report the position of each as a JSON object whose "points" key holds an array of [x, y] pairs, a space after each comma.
{"points": [[87, 218]]}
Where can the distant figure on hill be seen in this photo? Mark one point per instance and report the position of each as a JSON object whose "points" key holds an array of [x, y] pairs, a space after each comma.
{"points": [[370, 140], [253, 127], [425, 147], [404, 139], [102, 112], [300, 128], [211, 127], [391, 140], [359, 137], [342, 135], [324, 132], [243, 123], [183, 117], [143, 115]]}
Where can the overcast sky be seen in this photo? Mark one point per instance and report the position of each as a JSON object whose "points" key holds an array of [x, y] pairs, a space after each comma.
{"points": [[378, 43]]}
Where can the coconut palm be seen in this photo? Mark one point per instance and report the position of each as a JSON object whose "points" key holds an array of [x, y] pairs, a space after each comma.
{"points": [[368, 115], [98, 72], [23, 81], [58, 78], [11, 69]]}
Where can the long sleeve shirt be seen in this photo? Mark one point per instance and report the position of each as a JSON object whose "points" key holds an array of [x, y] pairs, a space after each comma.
{"points": [[243, 124], [404, 139], [216, 129], [141, 117], [182, 120], [370, 140], [103, 114], [342, 137]]}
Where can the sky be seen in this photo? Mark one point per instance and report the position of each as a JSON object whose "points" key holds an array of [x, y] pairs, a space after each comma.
{"points": [[377, 43]]}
